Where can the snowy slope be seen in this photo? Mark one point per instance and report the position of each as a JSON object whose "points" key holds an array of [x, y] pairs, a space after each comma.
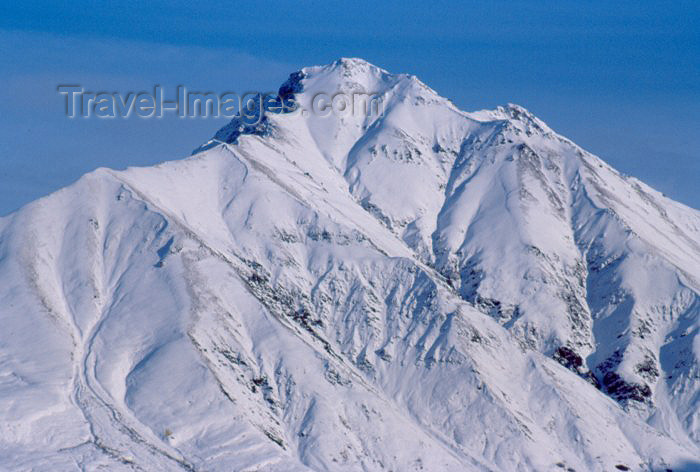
{"points": [[425, 290]]}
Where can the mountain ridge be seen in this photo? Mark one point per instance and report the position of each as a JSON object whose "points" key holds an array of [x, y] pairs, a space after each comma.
{"points": [[325, 294]]}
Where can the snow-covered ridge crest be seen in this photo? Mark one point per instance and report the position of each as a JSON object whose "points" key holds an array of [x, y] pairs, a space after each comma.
{"points": [[426, 290], [347, 74]]}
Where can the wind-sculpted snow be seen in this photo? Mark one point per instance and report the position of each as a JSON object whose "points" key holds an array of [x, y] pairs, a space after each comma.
{"points": [[425, 290]]}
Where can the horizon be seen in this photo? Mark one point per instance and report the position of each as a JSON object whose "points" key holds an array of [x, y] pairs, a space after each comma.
{"points": [[620, 82]]}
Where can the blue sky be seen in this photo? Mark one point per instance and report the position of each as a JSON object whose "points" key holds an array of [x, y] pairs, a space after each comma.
{"points": [[622, 79]]}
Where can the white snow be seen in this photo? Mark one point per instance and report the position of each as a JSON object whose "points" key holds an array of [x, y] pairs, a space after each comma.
{"points": [[354, 294]]}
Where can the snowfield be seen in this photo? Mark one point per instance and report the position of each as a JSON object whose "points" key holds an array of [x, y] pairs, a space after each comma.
{"points": [[427, 290]]}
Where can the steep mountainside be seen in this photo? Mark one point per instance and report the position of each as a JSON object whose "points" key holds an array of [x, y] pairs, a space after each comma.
{"points": [[425, 289]]}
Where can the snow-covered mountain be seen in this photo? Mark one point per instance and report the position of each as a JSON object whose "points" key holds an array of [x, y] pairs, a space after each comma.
{"points": [[425, 289]]}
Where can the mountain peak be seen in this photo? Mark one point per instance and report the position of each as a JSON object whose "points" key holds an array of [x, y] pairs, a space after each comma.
{"points": [[352, 62], [341, 75], [352, 67], [517, 115], [348, 75], [426, 289], [358, 75]]}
